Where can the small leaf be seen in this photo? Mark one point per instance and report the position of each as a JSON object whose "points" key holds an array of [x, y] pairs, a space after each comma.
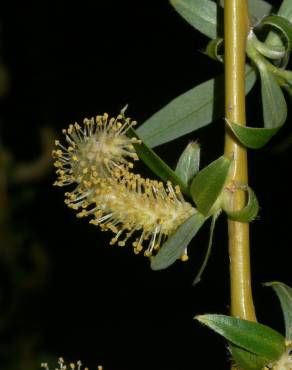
{"points": [[156, 164], [253, 137], [274, 104], [282, 24], [189, 163], [208, 184], [188, 112], [201, 14], [274, 52], [214, 48], [273, 38], [175, 245], [208, 251], [281, 38], [284, 293], [247, 213], [247, 360], [251, 336]]}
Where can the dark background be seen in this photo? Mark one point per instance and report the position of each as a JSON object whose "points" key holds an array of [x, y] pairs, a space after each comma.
{"points": [[87, 300]]}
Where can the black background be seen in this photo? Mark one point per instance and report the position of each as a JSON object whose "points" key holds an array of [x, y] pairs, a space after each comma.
{"points": [[103, 304]]}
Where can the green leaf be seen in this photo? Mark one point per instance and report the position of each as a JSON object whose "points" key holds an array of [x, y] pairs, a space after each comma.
{"points": [[281, 24], [274, 104], [189, 163], [156, 164], [208, 184], [201, 14], [252, 137], [214, 49], [188, 112], [247, 213], [259, 8], [207, 17], [288, 87], [208, 251], [284, 293], [281, 31], [286, 9], [274, 52], [274, 39], [251, 336], [176, 244], [247, 360]]}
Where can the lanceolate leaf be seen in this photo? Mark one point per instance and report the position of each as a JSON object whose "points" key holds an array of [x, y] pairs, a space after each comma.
{"points": [[274, 104], [274, 111], [259, 8], [251, 336], [209, 183], [286, 9], [156, 164], [205, 15], [201, 14], [247, 360], [284, 293], [253, 137], [189, 163], [247, 213], [175, 245], [188, 112]]}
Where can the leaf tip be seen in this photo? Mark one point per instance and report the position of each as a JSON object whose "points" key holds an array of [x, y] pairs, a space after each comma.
{"points": [[196, 281], [194, 144], [201, 318], [173, 2], [270, 283]]}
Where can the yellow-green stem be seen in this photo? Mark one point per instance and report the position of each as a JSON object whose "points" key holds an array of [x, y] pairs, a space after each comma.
{"points": [[235, 31]]}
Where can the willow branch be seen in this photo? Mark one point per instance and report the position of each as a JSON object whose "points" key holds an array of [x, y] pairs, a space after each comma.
{"points": [[235, 30]]}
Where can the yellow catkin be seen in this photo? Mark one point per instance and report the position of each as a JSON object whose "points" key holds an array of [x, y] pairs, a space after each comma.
{"points": [[133, 207], [94, 149], [97, 161]]}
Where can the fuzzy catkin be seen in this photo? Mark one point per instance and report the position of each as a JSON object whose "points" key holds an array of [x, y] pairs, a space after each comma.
{"points": [[97, 161], [94, 150], [130, 205]]}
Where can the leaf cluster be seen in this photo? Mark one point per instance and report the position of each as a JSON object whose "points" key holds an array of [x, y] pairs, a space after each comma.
{"points": [[198, 107], [252, 345]]}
